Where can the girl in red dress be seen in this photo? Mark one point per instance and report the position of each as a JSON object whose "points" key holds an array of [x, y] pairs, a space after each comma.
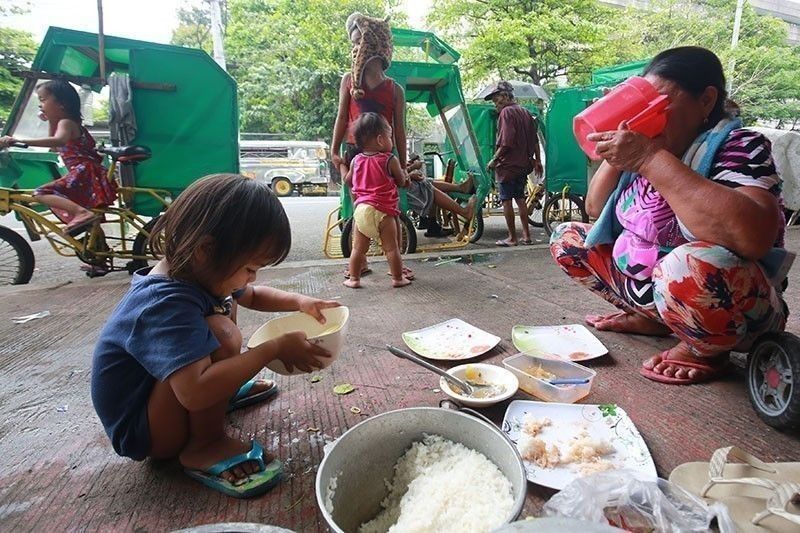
{"points": [[85, 185]]}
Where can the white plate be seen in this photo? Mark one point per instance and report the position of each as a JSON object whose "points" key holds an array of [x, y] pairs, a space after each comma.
{"points": [[450, 341], [572, 342], [607, 422]]}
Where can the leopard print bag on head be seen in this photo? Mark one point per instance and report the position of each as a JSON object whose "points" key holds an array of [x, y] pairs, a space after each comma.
{"points": [[375, 42]]}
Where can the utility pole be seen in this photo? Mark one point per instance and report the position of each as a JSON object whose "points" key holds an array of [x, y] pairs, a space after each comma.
{"points": [[737, 22], [216, 32]]}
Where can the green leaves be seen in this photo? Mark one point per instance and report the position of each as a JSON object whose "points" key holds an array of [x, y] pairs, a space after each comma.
{"points": [[608, 409], [288, 57], [344, 388], [16, 51]]}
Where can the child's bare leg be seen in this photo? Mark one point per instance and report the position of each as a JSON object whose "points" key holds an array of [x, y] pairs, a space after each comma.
{"points": [[198, 437], [358, 258], [77, 212], [388, 230]]}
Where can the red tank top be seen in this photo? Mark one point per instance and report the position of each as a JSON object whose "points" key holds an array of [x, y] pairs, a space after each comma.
{"points": [[377, 100]]}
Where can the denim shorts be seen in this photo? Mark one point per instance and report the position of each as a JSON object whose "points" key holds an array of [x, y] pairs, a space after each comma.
{"points": [[513, 188]]}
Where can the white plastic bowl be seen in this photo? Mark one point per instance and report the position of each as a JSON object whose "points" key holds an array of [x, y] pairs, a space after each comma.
{"points": [[329, 335], [496, 375]]}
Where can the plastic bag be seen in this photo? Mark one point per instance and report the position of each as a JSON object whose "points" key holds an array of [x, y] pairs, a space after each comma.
{"points": [[628, 500]]}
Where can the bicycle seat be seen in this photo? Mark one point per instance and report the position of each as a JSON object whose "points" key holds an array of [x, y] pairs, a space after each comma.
{"points": [[126, 153]]}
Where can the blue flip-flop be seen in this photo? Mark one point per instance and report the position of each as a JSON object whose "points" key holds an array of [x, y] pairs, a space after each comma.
{"points": [[243, 398], [253, 485]]}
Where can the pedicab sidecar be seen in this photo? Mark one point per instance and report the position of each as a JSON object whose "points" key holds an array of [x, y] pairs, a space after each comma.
{"points": [[176, 101]]}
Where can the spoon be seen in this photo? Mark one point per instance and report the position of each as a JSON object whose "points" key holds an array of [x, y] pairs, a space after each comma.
{"points": [[461, 384]]}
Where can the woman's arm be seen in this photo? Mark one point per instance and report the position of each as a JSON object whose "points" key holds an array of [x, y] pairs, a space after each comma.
{"points": [[745, 220], [340, 126], [601, 186], [399, 126], [66, 130]]}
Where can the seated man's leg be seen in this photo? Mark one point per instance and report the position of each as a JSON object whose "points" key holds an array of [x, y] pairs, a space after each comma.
{"points": [[444, 201], [465, 187]]}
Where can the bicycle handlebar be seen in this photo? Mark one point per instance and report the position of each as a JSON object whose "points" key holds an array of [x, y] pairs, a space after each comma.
{"points": [[17, 144]]}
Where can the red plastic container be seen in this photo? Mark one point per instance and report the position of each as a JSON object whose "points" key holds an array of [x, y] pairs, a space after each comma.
{"points": [[634, 101]]}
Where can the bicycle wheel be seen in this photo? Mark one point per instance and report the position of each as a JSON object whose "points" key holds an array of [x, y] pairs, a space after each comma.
{"points": [[477, 226], [562, 208], [535, 203], [16, 258], [141, 246], [408, 241]]}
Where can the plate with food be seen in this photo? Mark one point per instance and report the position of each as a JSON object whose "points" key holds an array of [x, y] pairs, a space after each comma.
{"points": [[572, 342], [452, 340], [559, 442]]}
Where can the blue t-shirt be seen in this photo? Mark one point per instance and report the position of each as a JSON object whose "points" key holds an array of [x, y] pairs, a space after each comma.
{"points": [[158, 327]]}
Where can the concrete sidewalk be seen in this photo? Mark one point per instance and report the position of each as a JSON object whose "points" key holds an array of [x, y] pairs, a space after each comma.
{"points": [[60, 473]]}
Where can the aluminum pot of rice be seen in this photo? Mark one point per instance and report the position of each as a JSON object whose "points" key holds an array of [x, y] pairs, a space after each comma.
{"points": [[421, 469]]}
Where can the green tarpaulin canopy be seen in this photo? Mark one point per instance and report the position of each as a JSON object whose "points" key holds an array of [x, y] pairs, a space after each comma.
{"points": [[617, 73]]}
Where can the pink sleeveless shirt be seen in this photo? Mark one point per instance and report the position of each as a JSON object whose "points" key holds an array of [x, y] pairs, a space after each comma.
{"points": [[373, 184]]}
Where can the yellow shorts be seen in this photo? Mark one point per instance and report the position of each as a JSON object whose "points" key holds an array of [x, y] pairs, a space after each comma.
{"points": [[368, 220]]}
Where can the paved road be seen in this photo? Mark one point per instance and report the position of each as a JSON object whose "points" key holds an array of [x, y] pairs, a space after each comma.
{"points": [[307, 215]]}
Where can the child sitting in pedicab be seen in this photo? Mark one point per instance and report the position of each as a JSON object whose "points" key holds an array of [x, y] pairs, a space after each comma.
{"points": [[374, 176], [85, 184]]}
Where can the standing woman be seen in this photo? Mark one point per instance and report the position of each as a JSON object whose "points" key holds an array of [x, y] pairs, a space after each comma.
{"points": [[689, 239], [85, 185]]}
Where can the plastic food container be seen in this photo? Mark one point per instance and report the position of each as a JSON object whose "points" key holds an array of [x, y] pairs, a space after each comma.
{"points": [[520, 364], [634, 101]]}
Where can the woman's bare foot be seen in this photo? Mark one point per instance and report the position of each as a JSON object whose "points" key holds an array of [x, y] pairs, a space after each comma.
{"points": [[623, 322], [201, 456], [680, 364], [352, 283], [402, 282]]}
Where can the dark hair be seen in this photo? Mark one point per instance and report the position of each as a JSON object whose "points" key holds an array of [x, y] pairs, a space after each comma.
{"points": [[693, 68], [66, 95], [368, 126], [241, 216]]}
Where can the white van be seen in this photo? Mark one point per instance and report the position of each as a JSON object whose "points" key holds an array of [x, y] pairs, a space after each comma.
{"points": [[287, 166]]}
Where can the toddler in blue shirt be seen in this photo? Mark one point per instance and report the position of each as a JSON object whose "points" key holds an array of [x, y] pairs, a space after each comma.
{"points": [[168, 361]]}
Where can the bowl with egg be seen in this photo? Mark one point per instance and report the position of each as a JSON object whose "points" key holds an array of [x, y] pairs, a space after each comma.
{"points": [[491, 384], [329, 335]]}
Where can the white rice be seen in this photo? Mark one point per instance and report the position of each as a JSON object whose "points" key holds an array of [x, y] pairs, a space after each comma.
{"points": [[443, 486]]}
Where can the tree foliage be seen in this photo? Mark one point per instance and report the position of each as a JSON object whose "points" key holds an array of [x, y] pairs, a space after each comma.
{"points": [[194, 26], [762, 68], [537, 40], [548, 40], [288, 57], [16, 52]]}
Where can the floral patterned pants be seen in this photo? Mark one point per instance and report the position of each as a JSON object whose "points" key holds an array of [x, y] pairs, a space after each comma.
{"points": [[712, 299]]}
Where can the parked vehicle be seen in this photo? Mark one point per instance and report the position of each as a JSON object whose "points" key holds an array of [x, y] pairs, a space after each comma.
{"points": [[153, 88], [287, 166]]}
